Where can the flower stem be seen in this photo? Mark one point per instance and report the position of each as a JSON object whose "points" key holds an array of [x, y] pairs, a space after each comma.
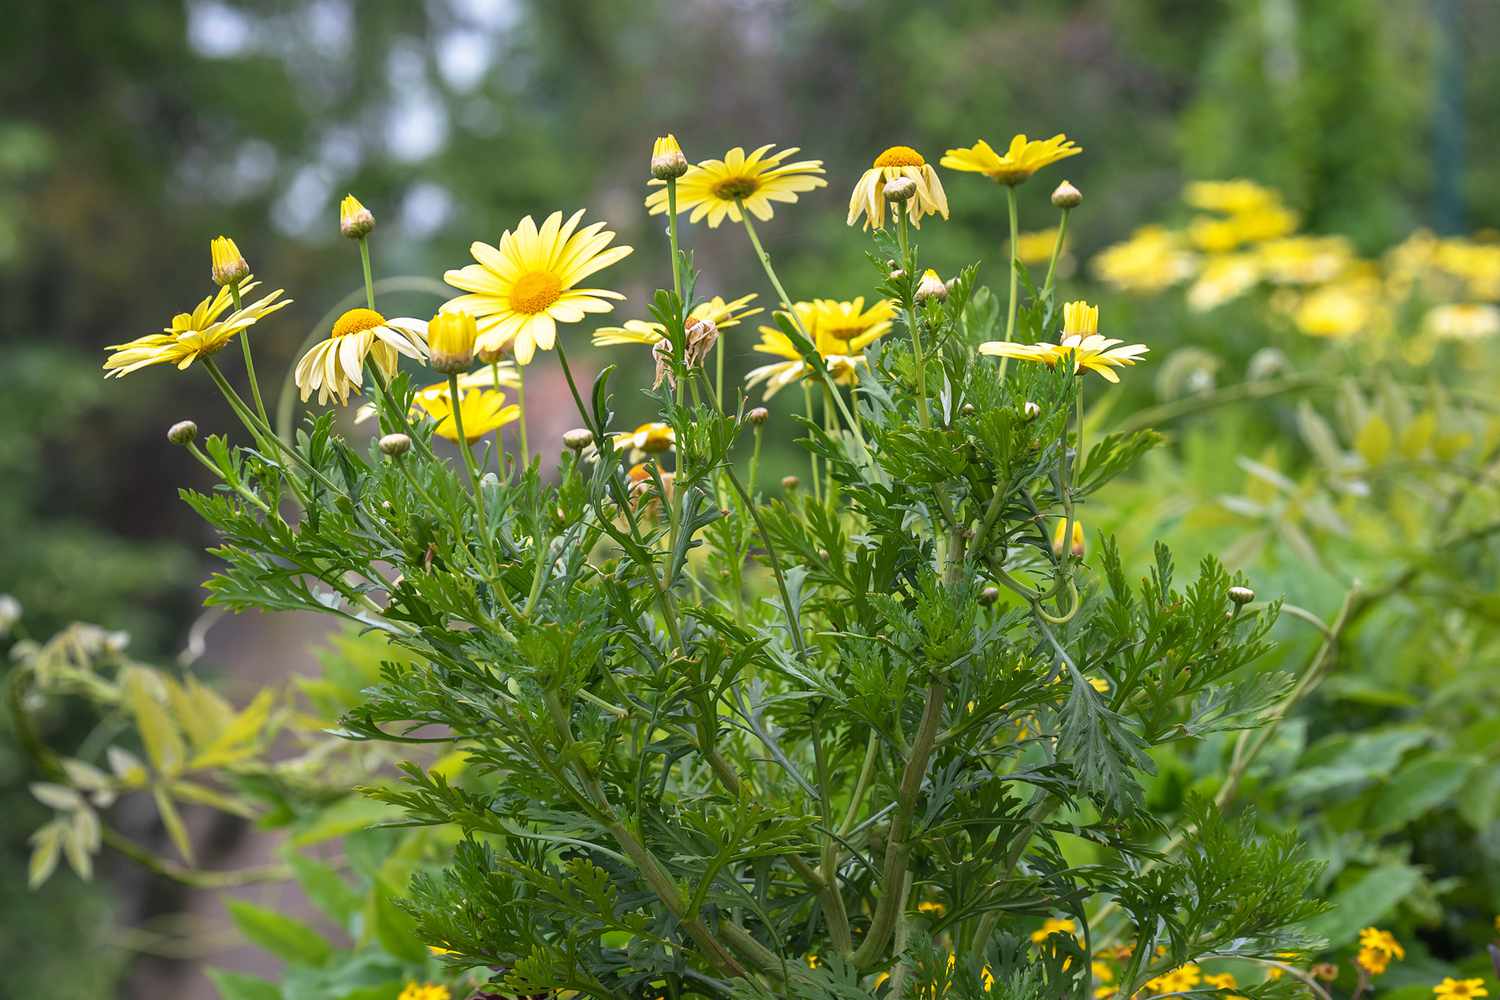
{"points": [[909, 265], [260, 406], [1062, 231], [672, 237], [1015, 263], [364, 259], [521, 402], [812, 455], [464, 450], [499, 431]]}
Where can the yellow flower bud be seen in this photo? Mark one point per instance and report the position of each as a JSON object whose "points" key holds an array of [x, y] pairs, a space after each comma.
{"points": [[1080, 319], [667, 160], [1065, 196], [355, 221], [1077, 547], [931, 287], [450, 342], [229, 266]]}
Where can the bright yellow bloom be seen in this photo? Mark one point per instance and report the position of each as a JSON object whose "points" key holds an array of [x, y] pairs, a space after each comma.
{"points": [[450, 342], [521, 289], [720, 313], [1225, 277], [1036, 248], [1463, 321], [1372, 937], [336, 367], [1024, 157], [1051, 926], [228, 265], [1099, 684], [840, 331], [1221, 981], [1217, 235], [649, 437], [1152, 259], [715, 188], [666, 158], [1459, 989], [868, 198], [1179, 980], [483, 410], [1080, 344], [1338, 310], [1305, 260], [929, 906], [1233, 197], [1102, 972], [425, 991], [193, 335]]}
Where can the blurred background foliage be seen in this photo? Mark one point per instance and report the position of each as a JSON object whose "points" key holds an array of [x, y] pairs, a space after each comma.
{"points": [[128, 139]]}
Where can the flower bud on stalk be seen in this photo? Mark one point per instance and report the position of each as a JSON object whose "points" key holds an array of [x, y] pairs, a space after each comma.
{"points": [[183, 432], [900, 190], [989, 595], [667, 160], [1066, 196], [395, 445], [1031, 410], [790, 483], [1241, 595], [229, 266], [450, 343], [355, 221], [578, 438], [759, 415], [931, 287]]}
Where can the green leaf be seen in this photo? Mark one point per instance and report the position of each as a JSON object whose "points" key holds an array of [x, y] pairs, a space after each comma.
{"points": [[344, 817], [1364, 903], [1417, 788], [393, 927], [238, 986], [326, 888], [284, 937], [164, 743]]}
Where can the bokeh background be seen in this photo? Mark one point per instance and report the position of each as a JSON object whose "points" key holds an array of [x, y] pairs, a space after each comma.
{"points": [[132, 133]]}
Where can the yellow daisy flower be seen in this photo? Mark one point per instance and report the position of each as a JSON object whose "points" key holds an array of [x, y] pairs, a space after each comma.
{"points": [[1225, 278], [193, 335], [1081, 344], [1152, 259], [335, 367], [839, 330], [649, 437], [1305, 260], [1373, 937], [1024, 158], [1459, 989], [1341, 309], [521, 289], [720, 313], [868, 198], [1221, 981], [1036, 248], [1051, 926], [483, 410], [483, 378], [714, 189], [1078, 544], [1233, 197], [425, 991]]}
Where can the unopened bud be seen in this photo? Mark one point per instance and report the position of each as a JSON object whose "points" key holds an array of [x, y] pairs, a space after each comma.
{"points": [[1241, 595], [931, 287], [395, 445], [10, 613], [989, 595], [183, 432], [1065, 195], [228, 265], [1031, 411], [759, 415], [967, 409], [1059, 534], [898, 274], [901, 189], [790, 483], [492, 355], [450, 342], [355, 221], [578, 438], [667, 160], [1325, 972]]}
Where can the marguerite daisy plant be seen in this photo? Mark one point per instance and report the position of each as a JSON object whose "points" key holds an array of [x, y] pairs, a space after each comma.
{"points": [[714, 189], [839, 330], [520, 289], [868, 199], [334, 367]]}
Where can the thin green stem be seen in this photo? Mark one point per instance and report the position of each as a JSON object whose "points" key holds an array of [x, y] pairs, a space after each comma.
{"points": [[239, 488], [499, 431], [812, 456], [364, 260], [909, 266], [521, 402], [260, 406], [1062, 231], [1015, 262], [455, 402], [755, 457], [672, 237]]}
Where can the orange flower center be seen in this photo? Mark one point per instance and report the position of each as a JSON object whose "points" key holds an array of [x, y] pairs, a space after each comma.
{"points": [[900, 156], [357, 321], [731, 188], [534, 292]]}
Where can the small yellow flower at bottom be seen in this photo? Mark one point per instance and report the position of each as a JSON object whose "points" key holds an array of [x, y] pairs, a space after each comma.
{"points": [[482, 410], [1459, 989], [1081, 345], [425, 991]]}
